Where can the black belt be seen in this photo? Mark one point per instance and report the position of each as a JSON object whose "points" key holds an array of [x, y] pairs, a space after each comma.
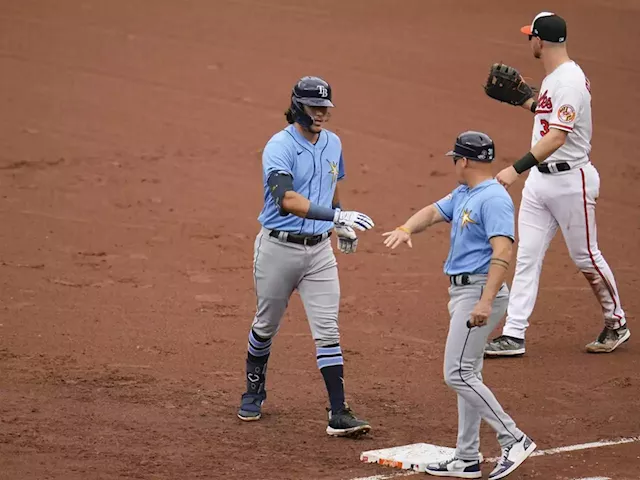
{"points": [[560, 166], [308, 240], [458, 280]]}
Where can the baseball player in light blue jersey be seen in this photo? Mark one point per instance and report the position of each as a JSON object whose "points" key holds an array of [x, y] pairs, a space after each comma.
{"points": [[302, 165], [481, 214]]}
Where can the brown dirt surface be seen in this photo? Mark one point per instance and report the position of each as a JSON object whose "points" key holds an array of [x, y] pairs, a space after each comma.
{"points": [[130, 183]]}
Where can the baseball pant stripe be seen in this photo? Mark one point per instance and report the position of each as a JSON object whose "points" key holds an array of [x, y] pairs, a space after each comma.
{"points": [[593, 262], [463, 360], [478, 393], [255, 276]]}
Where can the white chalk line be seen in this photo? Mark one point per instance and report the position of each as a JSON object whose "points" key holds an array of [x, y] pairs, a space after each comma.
{"points": [[537, 453], [391, 475], [582, 446], [383, 477]]}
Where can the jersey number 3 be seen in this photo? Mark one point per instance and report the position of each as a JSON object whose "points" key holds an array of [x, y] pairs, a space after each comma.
{"points": [[545, 127]]}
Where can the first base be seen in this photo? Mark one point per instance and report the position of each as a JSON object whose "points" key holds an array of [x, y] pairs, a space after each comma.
{"points": [[408, 457]]}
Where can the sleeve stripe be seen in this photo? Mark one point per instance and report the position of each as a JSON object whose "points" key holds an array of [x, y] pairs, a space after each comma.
{"points": [[500, 234], [444, 215], [559, 126]]}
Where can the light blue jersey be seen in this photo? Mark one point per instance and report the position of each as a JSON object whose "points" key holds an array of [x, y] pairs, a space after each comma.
{"points": [[315, 169], [476, 215]]}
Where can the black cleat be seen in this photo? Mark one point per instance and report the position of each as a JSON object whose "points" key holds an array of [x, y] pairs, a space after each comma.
{"points": [[344, 423]]}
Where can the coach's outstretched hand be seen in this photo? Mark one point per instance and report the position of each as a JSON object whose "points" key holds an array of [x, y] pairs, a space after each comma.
{"points": [[397, 237]]}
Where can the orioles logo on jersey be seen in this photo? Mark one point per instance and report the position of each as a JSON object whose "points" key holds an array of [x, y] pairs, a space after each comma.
{"points": [[566, 114], [466, 218], [544, 103]]}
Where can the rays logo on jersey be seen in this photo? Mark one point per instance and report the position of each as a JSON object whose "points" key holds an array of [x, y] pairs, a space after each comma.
{"points": [[333, 171], [466, 218]]}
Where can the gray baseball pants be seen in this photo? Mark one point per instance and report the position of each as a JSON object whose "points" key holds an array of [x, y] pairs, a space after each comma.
{"points": [[280, 268], [463, 359]]}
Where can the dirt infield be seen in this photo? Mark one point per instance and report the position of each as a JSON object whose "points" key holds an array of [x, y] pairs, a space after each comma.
{"points": [[131, 136]]}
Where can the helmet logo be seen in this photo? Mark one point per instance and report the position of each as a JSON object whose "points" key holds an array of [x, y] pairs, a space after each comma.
{"points": [[322, 90], [486, 154]]}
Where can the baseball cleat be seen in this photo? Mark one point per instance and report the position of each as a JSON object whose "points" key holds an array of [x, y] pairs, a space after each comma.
{"points": [[504, 346], [345, 424], [512, 458], [251, 407], [608, 340], [455, 468]]}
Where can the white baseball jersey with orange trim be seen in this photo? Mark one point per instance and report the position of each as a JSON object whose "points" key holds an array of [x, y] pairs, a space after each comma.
{"points": [[564, 103], [561, 200]]}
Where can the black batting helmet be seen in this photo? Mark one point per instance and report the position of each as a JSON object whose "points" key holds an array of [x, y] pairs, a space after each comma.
{"points": [[312, 91], [474, 146]]}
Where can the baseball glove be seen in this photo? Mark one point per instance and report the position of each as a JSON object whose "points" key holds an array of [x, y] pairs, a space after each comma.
{"points": [[505, 84]]}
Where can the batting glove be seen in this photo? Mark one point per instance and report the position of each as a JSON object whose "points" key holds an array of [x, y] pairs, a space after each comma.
{"points": [[352, 219], [347, 239]]}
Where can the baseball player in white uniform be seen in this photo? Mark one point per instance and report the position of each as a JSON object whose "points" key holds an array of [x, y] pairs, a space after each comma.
{"points": [[560, 192]]}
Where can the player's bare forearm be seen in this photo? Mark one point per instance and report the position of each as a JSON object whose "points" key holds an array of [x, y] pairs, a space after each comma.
{"points": [[527, 105], [551, 142], [295, 204], [499, 266], [548, 144], [423, 219]]}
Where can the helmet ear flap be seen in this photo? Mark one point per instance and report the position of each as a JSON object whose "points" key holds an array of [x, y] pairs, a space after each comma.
{"points": [[299, 115]]}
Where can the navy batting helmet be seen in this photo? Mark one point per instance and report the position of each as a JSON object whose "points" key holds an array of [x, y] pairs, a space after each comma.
{"points": [[474, 146], [312, 91]]}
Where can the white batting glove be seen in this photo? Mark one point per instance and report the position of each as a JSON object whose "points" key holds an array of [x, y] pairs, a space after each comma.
{"points": [[352, 219], [347, 239]]}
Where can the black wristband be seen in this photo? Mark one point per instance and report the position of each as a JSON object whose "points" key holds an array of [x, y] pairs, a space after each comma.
{"points": [[534, 105], [525, 163]]}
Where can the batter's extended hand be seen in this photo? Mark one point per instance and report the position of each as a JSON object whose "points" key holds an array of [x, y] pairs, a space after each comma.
{"points": [[480, 314], [347, 239], [507, 176], [397, 237], [352, 219]]}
